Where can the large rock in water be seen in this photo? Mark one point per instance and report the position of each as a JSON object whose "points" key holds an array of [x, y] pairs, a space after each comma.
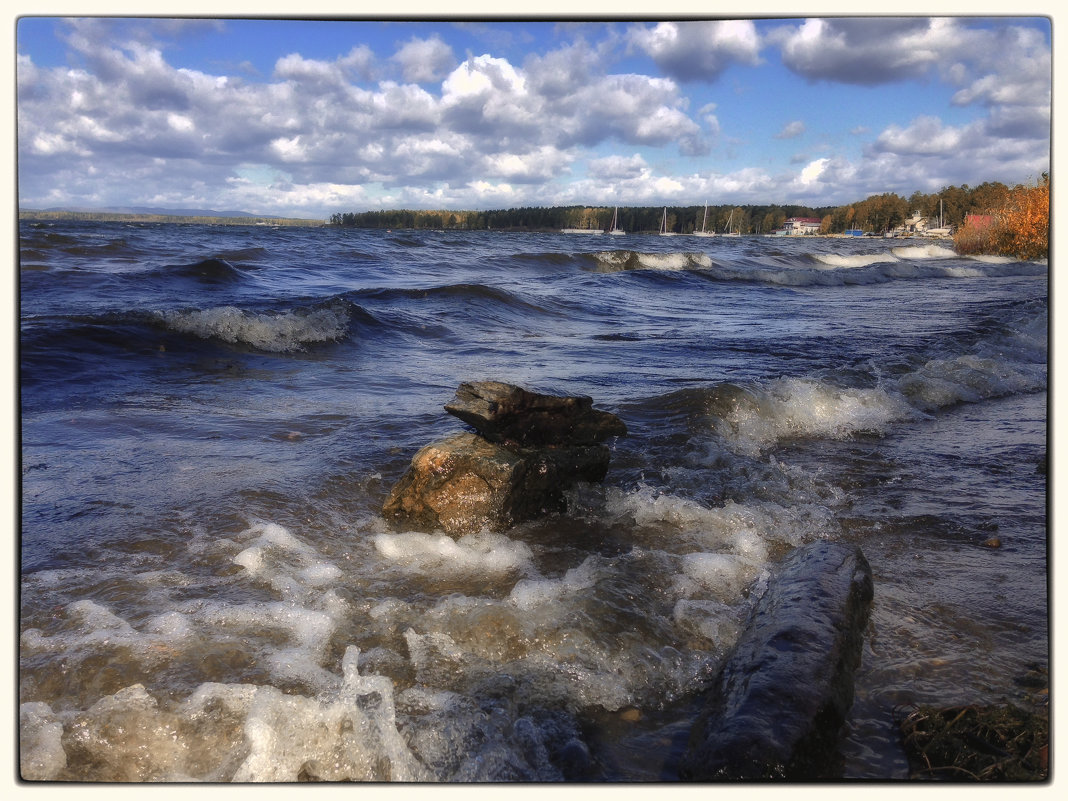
{"points": [[529, 450], [506, 413], [777, 706]]}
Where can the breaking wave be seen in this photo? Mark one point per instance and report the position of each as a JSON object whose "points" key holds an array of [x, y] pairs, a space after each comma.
{"points": [[275, 332]]}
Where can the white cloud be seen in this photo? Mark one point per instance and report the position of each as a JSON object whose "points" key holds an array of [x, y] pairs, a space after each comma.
{"points": [[290, 149], [924, 136], [613, 168], [699, 51], [812, 171], [424, 60], [791, 130], [121, 124], [866, 51]]}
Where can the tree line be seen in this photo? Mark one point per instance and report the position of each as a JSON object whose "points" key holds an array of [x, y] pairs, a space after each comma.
{"points": [[875, 214], [633, 219]]}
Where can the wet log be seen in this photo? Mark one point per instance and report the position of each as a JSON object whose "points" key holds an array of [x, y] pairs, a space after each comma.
{"points": [[776, 708]]}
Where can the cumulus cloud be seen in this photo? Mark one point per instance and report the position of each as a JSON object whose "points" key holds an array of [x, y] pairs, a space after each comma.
{"points": [[699, 51], [924, 136], [424, 60], [120, 123], [616, 168], [867, 51]]}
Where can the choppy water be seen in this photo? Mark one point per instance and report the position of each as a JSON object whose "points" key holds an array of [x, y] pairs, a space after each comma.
{"points": [[213, 416]]}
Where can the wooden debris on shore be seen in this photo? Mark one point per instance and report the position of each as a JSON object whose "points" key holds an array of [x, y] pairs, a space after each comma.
{"points": [[977, 743]]}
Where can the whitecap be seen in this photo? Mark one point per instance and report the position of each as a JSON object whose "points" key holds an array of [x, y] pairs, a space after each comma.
{"points": [[274, 332]]}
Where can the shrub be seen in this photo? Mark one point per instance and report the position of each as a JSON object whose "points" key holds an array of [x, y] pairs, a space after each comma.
{"points": [[1020, 228]]}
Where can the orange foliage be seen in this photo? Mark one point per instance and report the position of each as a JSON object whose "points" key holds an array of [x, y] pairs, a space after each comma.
{"points": [[1020, 228]]}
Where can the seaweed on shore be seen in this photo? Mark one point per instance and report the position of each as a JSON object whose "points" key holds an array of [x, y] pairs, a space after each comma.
{"points": [[977, 743]]}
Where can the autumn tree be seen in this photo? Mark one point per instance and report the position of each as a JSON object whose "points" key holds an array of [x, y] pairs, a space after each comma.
{"points": [[1018, 227]]}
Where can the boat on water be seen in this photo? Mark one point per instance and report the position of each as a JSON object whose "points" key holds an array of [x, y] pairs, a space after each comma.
{"points": [[614, 229], [730, 226], [704, 224], [663, 225]]}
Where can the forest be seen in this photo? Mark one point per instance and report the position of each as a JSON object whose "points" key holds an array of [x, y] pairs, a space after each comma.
{"points": [[875, 214]]}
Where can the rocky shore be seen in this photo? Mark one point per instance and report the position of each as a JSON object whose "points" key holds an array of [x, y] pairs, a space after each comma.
{"points": [[777, 706]]}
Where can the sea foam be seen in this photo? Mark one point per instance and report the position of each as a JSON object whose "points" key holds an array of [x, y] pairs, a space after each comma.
{"points": [[483, 552]]}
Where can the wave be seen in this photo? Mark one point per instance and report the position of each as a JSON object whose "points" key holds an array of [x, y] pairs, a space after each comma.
{"points": [[465, 294], [209, 271], [838, 260], [274, 332], [610, 261], [244, 254], [752, 418], [1007, 356], [917, 262], [869, 270], [928, 251]]}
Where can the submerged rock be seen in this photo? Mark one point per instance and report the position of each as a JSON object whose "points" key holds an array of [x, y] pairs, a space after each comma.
{"points": [[778, 704], [529, 450]]}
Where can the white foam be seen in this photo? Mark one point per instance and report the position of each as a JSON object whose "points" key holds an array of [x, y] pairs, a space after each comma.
{"points": [[439, 554], [929, 251], [969, 378], [92, 626], [991, 259], [711, 619], [724, 575], [41, 754], [280, 332], [283, 562], [840, 261], [530, 593], [634, 260], [170, 626], [669, 261], [793, 407], [745, 529], [238, 733]]}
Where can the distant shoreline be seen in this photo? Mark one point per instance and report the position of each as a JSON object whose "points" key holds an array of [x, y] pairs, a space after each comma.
{"points": [[109, 216], [106, 216]]}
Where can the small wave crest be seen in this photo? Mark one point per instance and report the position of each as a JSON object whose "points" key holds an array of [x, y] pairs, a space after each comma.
{"points": [[929, 251], [275, 332], [212, 271], [838, 261], [610, 261], [751, 419], [463, 293]]}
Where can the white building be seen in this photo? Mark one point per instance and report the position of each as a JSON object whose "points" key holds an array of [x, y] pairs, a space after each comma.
{"points": [[799, 226]]}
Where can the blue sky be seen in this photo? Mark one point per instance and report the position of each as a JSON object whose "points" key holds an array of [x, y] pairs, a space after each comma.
{"points": [[310, 117]]}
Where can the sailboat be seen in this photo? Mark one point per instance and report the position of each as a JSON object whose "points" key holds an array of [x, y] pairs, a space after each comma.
{"points": [[663, 225], [615, 229], [704, 222], [729, 231]]}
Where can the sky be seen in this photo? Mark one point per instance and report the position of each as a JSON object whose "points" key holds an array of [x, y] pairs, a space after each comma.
{"points": [[307, 118]]}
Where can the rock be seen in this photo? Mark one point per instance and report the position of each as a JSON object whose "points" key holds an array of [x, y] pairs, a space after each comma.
{"points": [[776, 708], [464, 483], [529, 450], [506, 413]]}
